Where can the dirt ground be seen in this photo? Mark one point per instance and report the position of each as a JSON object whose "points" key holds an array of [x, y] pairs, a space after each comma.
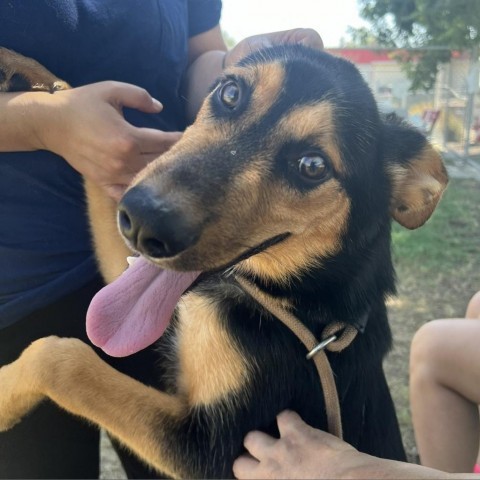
{"points": [[110, 467]]}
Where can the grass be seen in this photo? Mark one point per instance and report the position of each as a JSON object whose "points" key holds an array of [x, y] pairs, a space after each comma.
{"points": [[438, 270], [450, 238]]}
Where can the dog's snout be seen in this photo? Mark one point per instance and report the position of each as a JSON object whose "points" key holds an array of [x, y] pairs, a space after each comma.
{"points": [[152, 226]]}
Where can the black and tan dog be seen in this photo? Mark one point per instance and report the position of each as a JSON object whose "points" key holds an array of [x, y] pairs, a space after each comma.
{"points": [[288, 181]]}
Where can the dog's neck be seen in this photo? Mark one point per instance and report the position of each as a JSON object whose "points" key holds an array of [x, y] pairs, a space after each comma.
{"points": [[336, 337], [317, 308], [344, 290]]}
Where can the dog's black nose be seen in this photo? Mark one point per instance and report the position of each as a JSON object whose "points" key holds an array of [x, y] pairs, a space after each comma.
{"points": [[152, 226]]}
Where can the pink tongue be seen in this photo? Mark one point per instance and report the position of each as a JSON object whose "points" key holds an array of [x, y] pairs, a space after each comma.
{"points": [[133, 312]]}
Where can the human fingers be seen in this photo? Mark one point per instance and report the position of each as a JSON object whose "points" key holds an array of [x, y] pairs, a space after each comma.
{"points": [[156, 141], [140, 147], [258, 443], [245, 467], [245, 47], [296, 432], [290, 422], [126, 95], [152, 144], [115, 191], [304, 36]]}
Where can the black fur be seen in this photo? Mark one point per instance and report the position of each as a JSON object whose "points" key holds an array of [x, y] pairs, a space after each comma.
{"points": [[351, 286]]}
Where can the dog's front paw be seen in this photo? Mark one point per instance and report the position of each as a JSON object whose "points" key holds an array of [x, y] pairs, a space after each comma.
{"points": [[15, 400], [22, 74], [20, 383]]}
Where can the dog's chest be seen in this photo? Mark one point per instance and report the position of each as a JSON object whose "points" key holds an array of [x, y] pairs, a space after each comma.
{"points": [[211, 367]]}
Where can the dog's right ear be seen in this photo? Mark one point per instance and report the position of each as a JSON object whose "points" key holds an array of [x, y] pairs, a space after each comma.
{"points": [[417, 173]]}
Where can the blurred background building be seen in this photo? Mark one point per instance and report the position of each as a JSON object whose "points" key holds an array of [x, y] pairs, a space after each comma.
{"points": [[449, 113]]}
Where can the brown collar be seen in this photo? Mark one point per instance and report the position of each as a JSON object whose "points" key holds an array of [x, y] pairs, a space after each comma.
{"points": [[335, 337]]}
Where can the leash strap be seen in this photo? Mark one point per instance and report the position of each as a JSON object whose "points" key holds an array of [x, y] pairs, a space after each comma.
{"points": [[335, 337]]}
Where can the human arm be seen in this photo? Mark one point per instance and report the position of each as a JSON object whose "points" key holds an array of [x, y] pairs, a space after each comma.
{"points": [[306, 453], [85, 125]]}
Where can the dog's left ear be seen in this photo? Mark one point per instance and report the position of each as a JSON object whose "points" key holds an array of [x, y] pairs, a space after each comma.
{"points": [[417, 173]]}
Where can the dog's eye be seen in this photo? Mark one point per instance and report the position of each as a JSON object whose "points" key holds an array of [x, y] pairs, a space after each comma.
{"points": [[313, 167], [230, 94]]}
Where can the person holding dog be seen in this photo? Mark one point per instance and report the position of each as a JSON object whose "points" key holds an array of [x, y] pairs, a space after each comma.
{"points": [[119, 57], [445, 395]]}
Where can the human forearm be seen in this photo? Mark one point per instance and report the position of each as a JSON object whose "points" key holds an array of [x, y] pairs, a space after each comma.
{"points": [[20, 116], [304, 452], [376, 468], [200, 77]]}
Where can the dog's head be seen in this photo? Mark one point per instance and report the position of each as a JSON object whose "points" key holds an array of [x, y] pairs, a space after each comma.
{"points": [[287, 173], [287, 157]]}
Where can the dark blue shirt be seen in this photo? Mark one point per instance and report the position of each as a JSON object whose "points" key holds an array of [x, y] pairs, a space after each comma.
{"points": [[45, 246]]}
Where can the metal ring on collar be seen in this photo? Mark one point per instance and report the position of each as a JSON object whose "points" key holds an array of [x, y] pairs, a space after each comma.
{"points": [[320, 346]]}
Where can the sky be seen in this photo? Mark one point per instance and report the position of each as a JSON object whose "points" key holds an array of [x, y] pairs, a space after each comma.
{"points": [[242, 18]]}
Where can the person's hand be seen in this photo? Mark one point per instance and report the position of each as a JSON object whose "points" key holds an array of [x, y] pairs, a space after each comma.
{"points": [[304, 36], [301, 452], [87, 128], [304, 452]]}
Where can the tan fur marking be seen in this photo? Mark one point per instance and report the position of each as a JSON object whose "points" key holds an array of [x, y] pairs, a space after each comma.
{"points": [[73, 376], [211, 367], [417, 187], [207, 130], [268, 80], [235, 228], [317, 121], [110, 248], [316, 224]]}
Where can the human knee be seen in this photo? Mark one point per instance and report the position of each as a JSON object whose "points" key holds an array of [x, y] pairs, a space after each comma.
{"points": [[426, 353]]}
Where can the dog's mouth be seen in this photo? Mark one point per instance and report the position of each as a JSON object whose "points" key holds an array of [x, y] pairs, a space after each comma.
{"points": [[133, 312], [261, 247], [173, 263]]}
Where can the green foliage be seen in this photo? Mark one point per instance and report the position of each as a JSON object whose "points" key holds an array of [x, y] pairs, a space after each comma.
{"points": [[359, 37], [435, 27]]}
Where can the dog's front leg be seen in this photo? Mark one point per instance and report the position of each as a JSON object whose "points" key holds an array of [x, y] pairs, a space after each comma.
{"points": [[70, 373], [19, 389]]}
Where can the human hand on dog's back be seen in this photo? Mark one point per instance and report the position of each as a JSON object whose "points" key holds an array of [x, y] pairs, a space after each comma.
{"points": [[85, 125], [301, 452], [305, 452]]}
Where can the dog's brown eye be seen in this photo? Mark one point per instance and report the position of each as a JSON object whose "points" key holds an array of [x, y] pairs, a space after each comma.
{"points": [[313, 168], [230, 94]]}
